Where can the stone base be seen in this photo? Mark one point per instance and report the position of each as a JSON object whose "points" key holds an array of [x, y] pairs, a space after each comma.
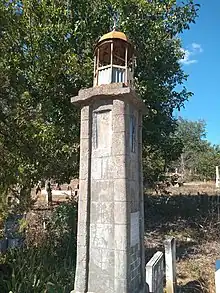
{"points": [[144, 290]]}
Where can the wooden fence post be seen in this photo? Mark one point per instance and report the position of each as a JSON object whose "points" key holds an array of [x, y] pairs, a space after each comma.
{"points": [[170, 264]]}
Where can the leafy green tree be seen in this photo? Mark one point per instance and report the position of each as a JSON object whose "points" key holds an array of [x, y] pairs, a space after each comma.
{"points": [[198, 157], [206, 162], [46, 56], [192, 135]]}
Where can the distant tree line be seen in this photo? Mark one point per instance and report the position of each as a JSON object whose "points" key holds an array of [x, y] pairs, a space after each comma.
{"points": [[199, 157]]}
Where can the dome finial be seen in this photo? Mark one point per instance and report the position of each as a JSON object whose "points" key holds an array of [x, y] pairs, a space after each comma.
{"points": [[116, 20]]}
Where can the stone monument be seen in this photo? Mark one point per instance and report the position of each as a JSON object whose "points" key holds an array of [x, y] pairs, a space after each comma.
{"points": [[110, 244]]}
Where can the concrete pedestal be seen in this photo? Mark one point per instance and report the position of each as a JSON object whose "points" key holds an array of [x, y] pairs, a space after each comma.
{"points": [[110, 250]]}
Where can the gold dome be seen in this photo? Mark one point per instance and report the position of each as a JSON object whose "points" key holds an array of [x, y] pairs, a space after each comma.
{"points": [[114, 35]]}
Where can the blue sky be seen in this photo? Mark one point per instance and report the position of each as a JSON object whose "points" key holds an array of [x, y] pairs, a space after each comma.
{"points": [[202, 62]]}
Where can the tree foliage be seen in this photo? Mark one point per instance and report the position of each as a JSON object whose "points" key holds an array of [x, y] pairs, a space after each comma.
{"points": [[46, 56], [199, 157]]}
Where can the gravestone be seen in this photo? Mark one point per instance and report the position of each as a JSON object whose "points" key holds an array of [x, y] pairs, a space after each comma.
{"points": [[12, 225], [170, 261], [15, 242], [14, 237], [110, 244], [3, 245], [155, 273]]}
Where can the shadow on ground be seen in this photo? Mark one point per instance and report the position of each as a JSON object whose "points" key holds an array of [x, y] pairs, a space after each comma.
{"points": [[180, 213], [195, 286]]}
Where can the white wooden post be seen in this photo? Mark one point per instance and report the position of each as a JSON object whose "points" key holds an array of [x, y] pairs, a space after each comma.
{"points": [[112, 52], [170, 264], [217, 276], [95, 72], [97, 68], [126, 65], [155, 273], [217, 177]]}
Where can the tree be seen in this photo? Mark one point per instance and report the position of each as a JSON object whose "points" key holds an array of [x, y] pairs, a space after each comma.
{"points": [[198, 157], [206, 163], [46, 56]]}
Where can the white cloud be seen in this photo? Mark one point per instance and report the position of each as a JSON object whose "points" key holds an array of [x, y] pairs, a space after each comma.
{"points": [[193, 49], [197, 48]]}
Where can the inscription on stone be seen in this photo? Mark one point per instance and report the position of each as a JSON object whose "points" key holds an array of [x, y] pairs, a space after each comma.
{"points": [[132, 133], [135, 235], [103, 129]]}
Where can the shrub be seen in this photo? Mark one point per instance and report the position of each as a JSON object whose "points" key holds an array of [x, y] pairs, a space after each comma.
{"points": [[50, 267]]}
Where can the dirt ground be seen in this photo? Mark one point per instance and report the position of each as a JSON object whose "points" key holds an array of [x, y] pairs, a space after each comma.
{"points": [[190, 214]]}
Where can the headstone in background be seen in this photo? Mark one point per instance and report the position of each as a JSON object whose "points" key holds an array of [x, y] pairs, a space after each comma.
{"points": [[3, 245], [12, 231], [155, 273], [15, 242]]}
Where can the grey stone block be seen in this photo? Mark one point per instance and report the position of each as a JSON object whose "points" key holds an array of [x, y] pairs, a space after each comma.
{"points": [[85, 113], [120, 237], [101, 236], [102, 190], [120, 215], [120, 190], [121, 285]]}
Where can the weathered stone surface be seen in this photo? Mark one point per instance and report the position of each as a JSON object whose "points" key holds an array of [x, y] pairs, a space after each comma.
{"points": [[102, 190], [104, 92], [120, 107], [85, 113], [84, 129], [120, 217], [119, 143], [120, 121], [121, 285], [83, 189], [120, 188], [121, 237], [101, 235], [121, 263], [102, 212], [119, 170], [108, 260]]}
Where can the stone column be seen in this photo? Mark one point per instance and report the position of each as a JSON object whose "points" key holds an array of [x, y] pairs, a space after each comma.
{"points": [[110, 246]]}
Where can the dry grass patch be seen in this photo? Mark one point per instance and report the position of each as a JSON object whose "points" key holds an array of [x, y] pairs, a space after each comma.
{"points": [[195, 225]]}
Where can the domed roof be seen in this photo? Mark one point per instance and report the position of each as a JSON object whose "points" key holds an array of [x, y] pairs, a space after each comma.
{"points": [[114, 35]]}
